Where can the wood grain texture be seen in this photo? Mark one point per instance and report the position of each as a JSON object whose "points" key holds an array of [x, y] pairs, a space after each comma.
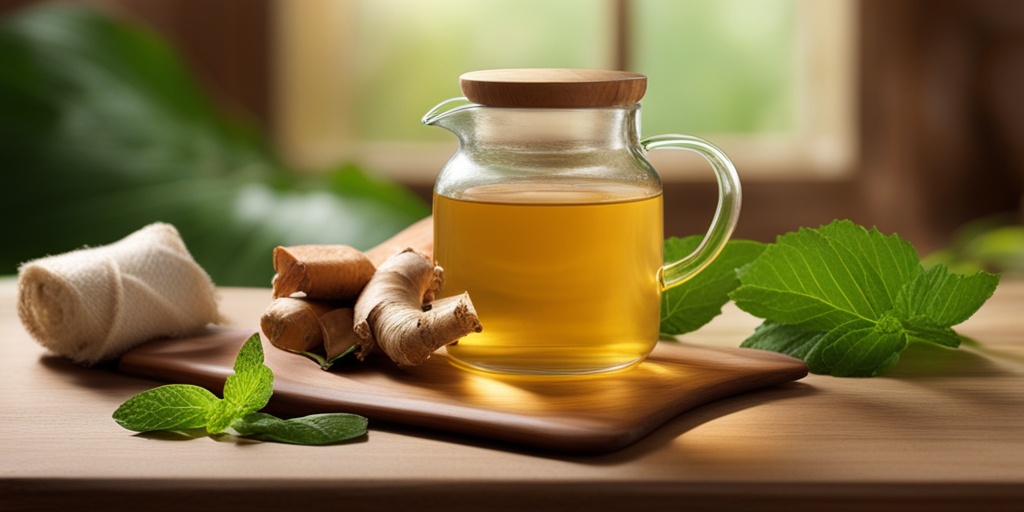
{"points": [[572, 415], [940, 432], [553, 88]]}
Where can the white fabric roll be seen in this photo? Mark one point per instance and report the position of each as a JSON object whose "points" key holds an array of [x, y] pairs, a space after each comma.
{"points": [[96, 303]]}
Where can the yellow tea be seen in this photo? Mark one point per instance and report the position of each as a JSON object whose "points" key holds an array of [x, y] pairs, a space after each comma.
{"points": [[564, 281]]}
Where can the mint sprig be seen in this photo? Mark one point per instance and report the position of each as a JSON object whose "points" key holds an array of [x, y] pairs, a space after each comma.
{"points": [[848, 300], [176, 407], [845, 299], [245, 392]]}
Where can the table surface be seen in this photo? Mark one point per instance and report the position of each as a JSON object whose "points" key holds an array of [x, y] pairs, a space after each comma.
{"points": [[944, 430]]}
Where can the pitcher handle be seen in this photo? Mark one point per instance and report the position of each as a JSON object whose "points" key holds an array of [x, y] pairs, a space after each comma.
{"points": [[726, 215]]}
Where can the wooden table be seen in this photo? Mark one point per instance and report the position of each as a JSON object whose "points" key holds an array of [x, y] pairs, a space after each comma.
{"points": [[943, 431]]}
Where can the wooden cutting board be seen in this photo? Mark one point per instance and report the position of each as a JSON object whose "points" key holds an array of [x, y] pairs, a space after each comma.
{"points": [[572, 415]]}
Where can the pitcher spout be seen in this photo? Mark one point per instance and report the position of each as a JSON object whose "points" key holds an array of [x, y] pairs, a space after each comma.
{"points": [[450, 114]]}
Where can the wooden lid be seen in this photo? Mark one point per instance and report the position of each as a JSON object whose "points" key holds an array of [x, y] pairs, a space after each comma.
{"points": [[553, 88]]}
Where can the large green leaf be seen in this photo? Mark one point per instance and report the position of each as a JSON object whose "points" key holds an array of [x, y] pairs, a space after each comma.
{"points": [[819, 279], [848, 300], [102, 130]]}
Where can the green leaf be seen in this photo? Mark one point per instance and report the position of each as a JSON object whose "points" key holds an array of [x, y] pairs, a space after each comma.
{"points": [[222, 415], [250, 358], [891, 260], [693, 304], [109, 132], [323, 361], [853, 351], [848, 300], [183, 406], [944, 298], [250, 388], [922, 329], [246, 391], [316, 429], [170, 407], [784, 339], [821, 279]]}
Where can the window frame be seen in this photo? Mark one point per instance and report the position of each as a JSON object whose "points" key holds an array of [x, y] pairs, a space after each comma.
{"points": [[824, 145]]}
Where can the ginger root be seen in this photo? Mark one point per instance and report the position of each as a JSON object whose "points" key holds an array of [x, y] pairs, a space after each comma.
{"points": [[339, 336], [333, 272], [294, 324], [397, 313], [319, 330]]}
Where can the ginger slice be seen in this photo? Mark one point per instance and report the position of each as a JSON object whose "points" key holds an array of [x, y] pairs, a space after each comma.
{"points": [[397, 312], [294, 324], [333, 272], [338, 332]]}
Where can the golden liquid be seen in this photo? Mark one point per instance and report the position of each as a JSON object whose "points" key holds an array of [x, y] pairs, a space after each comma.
{"points": [[564, 282]]}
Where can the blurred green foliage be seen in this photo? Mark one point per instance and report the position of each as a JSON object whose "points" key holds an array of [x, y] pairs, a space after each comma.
{"points": [[103, 130], [992, 244]]}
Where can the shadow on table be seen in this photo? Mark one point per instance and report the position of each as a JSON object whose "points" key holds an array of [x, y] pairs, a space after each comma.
{"points": [[930, 361], [100, 377], [668, 433], [653, 442]]}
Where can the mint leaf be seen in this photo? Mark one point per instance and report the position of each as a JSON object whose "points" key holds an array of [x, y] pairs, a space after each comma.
{"points": [[246, 391], [184, 406], [855, 349], [893, 259], [944, 298], [691, 305], [222, 415], [848, 300], [315, 429], [858, 350], [170, 407], [250, 388], [938, 299], [821, 279], [784, 339], [922, 329], [181, 407]]}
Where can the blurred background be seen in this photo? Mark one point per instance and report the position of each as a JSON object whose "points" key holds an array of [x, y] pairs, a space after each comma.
{"points": [[255, 123]]}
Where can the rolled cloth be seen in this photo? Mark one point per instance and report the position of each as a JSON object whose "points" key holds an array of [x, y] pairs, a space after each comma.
{"points": [[94, 304]]}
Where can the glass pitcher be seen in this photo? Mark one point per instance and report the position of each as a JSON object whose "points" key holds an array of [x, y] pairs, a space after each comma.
{"points": [[550, 217]]}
